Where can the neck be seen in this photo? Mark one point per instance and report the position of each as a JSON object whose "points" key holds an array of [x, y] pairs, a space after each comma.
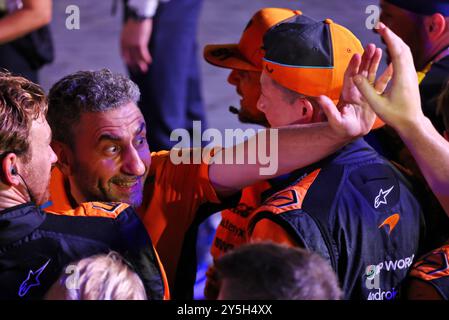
{"points": [[438, 53], [75, 197], [12, 197]]}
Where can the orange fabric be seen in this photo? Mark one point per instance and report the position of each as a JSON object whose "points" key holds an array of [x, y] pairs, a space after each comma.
{"points": [[231, 232], [164, 276], [290, 198], [248, 53], [93, 209], [433, 265], [266, 229], [285, 200], [172, 196], [104, 210]]}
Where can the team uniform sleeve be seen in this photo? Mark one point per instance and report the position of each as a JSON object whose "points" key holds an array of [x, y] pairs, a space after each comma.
{"points": [[267, 230]]}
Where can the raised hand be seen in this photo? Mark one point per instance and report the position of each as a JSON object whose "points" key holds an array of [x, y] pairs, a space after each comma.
{"points": [[353, 117], [400, 105]]}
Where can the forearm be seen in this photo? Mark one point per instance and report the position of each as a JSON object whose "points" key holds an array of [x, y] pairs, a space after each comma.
{"points": [[143, 8], [431, 152], [32, 16], [294, 147]]}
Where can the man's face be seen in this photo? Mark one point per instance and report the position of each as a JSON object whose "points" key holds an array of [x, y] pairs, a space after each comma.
{"points": [[37, 170], [247, 85], [111, 157], [278, 110], [409, 27]]}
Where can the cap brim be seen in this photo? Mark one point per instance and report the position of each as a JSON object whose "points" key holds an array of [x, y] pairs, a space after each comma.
{"points": [[227, 56]]}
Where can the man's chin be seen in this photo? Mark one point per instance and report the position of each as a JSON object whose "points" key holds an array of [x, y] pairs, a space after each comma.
{"points": [[133, 200]]}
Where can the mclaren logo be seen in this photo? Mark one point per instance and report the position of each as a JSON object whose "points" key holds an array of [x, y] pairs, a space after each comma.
{"points": [[391, 222], [382, 197]]}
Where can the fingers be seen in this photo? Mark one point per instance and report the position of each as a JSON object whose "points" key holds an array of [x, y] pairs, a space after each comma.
{"points": [[137, 58], [353, 67], [400, 53], [375, 62], [369, 93], [366, 59], [382, 83]]}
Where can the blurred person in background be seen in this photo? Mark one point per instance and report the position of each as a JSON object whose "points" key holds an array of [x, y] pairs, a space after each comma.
{"points": [[100, 277], [25, 40], [269, 271], [159, 47]]}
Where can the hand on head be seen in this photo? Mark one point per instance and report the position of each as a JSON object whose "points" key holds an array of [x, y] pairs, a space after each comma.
{"points": [[353, 117], [400, 105]]}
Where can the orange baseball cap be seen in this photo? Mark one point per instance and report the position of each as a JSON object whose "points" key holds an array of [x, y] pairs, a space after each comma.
{"points": [[310, 57], [248, 53]]}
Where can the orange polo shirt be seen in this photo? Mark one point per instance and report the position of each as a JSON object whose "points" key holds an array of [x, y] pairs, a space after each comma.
{"points": [[172, 196]]}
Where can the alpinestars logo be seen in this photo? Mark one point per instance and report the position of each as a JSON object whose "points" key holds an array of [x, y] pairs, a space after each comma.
{"points": [[32, 280], [382, 197]]}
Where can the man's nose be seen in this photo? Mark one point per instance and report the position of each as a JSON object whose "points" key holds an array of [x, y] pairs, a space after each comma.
{"points": [[132, 163]]}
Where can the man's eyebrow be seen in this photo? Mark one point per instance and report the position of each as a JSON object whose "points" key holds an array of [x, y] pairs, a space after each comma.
{"points": [[109, 136]]}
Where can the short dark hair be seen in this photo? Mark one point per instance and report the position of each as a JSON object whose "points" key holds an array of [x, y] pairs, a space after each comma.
{"points": [[86, 91], [443, 106], [269, 271], [21, 102]]}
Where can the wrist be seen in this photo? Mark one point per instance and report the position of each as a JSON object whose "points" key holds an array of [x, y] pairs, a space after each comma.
{"points": [[412, 125]]}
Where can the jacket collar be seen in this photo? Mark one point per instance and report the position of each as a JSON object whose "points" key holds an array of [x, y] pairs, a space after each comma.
{"points": [[19, 221], [356, 151]]}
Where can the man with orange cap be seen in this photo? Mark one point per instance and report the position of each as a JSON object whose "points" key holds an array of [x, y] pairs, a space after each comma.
{"points": [[246, 61], [354, 208]]}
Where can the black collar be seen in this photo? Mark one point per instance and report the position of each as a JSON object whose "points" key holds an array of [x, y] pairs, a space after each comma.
{"points": [[19, 221]]}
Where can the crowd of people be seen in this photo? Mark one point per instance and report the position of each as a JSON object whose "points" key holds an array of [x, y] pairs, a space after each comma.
{"points": [[88, 212]]}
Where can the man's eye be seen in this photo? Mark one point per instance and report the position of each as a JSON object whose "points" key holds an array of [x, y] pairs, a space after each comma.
{"points": [[141, 141], [111, 150]]}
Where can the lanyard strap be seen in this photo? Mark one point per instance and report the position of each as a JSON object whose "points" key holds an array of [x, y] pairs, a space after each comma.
{"points": [[437, 57]]}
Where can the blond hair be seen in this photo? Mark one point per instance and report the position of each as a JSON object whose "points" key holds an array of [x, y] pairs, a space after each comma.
{"points": [[21, 102], [104, 277]]}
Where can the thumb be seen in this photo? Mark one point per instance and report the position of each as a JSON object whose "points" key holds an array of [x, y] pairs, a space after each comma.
{"points": [[368, 92], [330, 109]]}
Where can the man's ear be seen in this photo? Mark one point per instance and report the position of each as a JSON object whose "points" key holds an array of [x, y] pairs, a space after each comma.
{"points": [[304, 110], [65, 157], [435, 26], [446, 135], [9, 170]]}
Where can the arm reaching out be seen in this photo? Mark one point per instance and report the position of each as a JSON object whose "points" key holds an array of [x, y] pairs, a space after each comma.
{"points": [[400, 107], [33, 15], [136, 34]]}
